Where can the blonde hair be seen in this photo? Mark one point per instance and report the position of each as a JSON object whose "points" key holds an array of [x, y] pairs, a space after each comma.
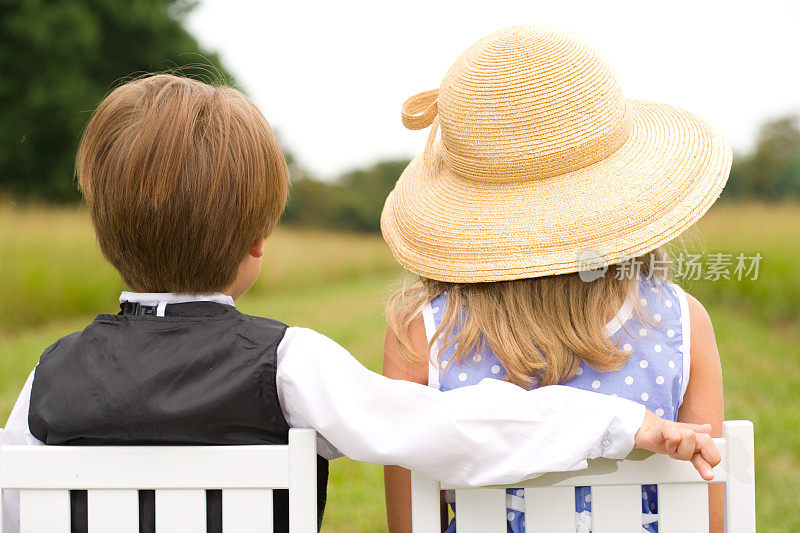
{"points": [[180, 177], [539, 328]]}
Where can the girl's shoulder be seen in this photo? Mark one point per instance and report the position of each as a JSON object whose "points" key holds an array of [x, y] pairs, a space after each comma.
{"points": [[658, 315], [655, 292], [668, 299], [432, 314]]}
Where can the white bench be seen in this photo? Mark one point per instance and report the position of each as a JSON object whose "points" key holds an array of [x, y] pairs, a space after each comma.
{"points": [[616, 494], [180, 475]]}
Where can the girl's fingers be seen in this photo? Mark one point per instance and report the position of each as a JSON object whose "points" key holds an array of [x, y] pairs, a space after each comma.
{"points": [[687, 445], [702, 466], [691, 442], [672, 438], [707, 448]]}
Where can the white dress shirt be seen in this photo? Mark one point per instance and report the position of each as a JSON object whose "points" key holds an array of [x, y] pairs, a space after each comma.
{"points": [[490, 433]]}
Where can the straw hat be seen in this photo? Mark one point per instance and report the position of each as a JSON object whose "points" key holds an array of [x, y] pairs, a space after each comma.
{"points": [[543, 167]]}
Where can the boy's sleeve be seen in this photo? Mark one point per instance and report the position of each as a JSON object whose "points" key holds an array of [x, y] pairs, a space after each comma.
{"points": [[16, 431], [490, 433]]}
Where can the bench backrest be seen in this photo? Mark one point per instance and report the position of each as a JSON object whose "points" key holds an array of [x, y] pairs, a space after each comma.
{"points": [[180, 475], [616, 494]]}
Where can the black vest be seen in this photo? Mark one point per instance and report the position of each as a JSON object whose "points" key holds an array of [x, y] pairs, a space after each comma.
{"points": [[203, 374]]}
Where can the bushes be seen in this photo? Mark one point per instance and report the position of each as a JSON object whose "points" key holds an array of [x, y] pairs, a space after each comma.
{"points": [[772, 170], [352, 202]]}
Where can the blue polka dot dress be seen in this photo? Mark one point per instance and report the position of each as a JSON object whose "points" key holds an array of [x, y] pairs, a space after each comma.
{"points": [[656, 376]]}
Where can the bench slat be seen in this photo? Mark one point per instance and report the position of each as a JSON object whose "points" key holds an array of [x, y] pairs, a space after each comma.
{"points": [[181, 511], [641, 467], [683, 508], [44, 511], [425, 504], [113, 510], [246, 511], [302, 483], [481, 511], [552, 510], [135, 467], [617, 509], [740, 495]]}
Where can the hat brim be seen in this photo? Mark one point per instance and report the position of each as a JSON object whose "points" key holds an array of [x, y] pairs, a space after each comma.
{"points": [[665, 176]]}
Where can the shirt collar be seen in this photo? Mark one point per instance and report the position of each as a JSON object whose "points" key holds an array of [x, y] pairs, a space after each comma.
{"points": [[162, 299]]}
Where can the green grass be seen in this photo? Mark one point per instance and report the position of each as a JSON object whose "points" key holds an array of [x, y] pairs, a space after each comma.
{"points": [[761, 375], [771, 230], [51, 267], [54, 281]]}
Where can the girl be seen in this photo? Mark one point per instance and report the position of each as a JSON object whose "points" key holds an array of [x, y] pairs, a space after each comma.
{"points": [[536, 225]]}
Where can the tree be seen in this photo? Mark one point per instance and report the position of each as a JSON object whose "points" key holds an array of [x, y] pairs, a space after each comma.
{"points": [[367, 190], [57, 61], [772, 170]]}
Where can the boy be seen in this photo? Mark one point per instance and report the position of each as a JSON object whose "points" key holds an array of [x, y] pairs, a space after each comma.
{"points": [[184, 181]]}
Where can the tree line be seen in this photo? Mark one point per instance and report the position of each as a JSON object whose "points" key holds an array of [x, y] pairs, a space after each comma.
{"points": [[351, 202], [769, 172]]}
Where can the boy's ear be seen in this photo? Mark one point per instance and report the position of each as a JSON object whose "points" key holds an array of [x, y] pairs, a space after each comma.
{"points": [[257, 248]]}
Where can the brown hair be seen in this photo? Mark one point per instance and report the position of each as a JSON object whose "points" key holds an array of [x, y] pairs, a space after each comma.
{"points": [[539, 328], [181, 177]]}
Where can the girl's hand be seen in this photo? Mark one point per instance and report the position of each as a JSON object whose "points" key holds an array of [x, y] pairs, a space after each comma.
{"points": [[686, 442]]}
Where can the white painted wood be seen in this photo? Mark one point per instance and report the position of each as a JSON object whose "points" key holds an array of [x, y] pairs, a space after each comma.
{"points": [[640, 467], [553, 509], [246, 511], [181, 511], [2, 498], [302, 482], [180, 476], [616, 492], [425, 504], [155, 467], [683, 508], [616, 509], [113, 510], [44, 511], [740, 488], [481, 510]]}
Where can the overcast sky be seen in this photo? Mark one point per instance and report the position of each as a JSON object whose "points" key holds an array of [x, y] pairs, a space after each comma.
{"points": [[330, 75]]}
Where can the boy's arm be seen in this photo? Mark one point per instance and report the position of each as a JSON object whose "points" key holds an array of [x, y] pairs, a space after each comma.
{"points": [[492, 433], [16, 431]]}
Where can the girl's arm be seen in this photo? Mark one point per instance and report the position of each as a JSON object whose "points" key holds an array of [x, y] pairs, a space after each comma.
{"points": [[702, 402], [397, 480]]}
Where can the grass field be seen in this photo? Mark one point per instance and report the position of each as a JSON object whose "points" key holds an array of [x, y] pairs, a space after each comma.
{"points": [[54, 281]]}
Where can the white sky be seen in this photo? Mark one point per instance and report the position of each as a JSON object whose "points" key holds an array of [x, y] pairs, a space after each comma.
{"points": [[330, 75]]}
